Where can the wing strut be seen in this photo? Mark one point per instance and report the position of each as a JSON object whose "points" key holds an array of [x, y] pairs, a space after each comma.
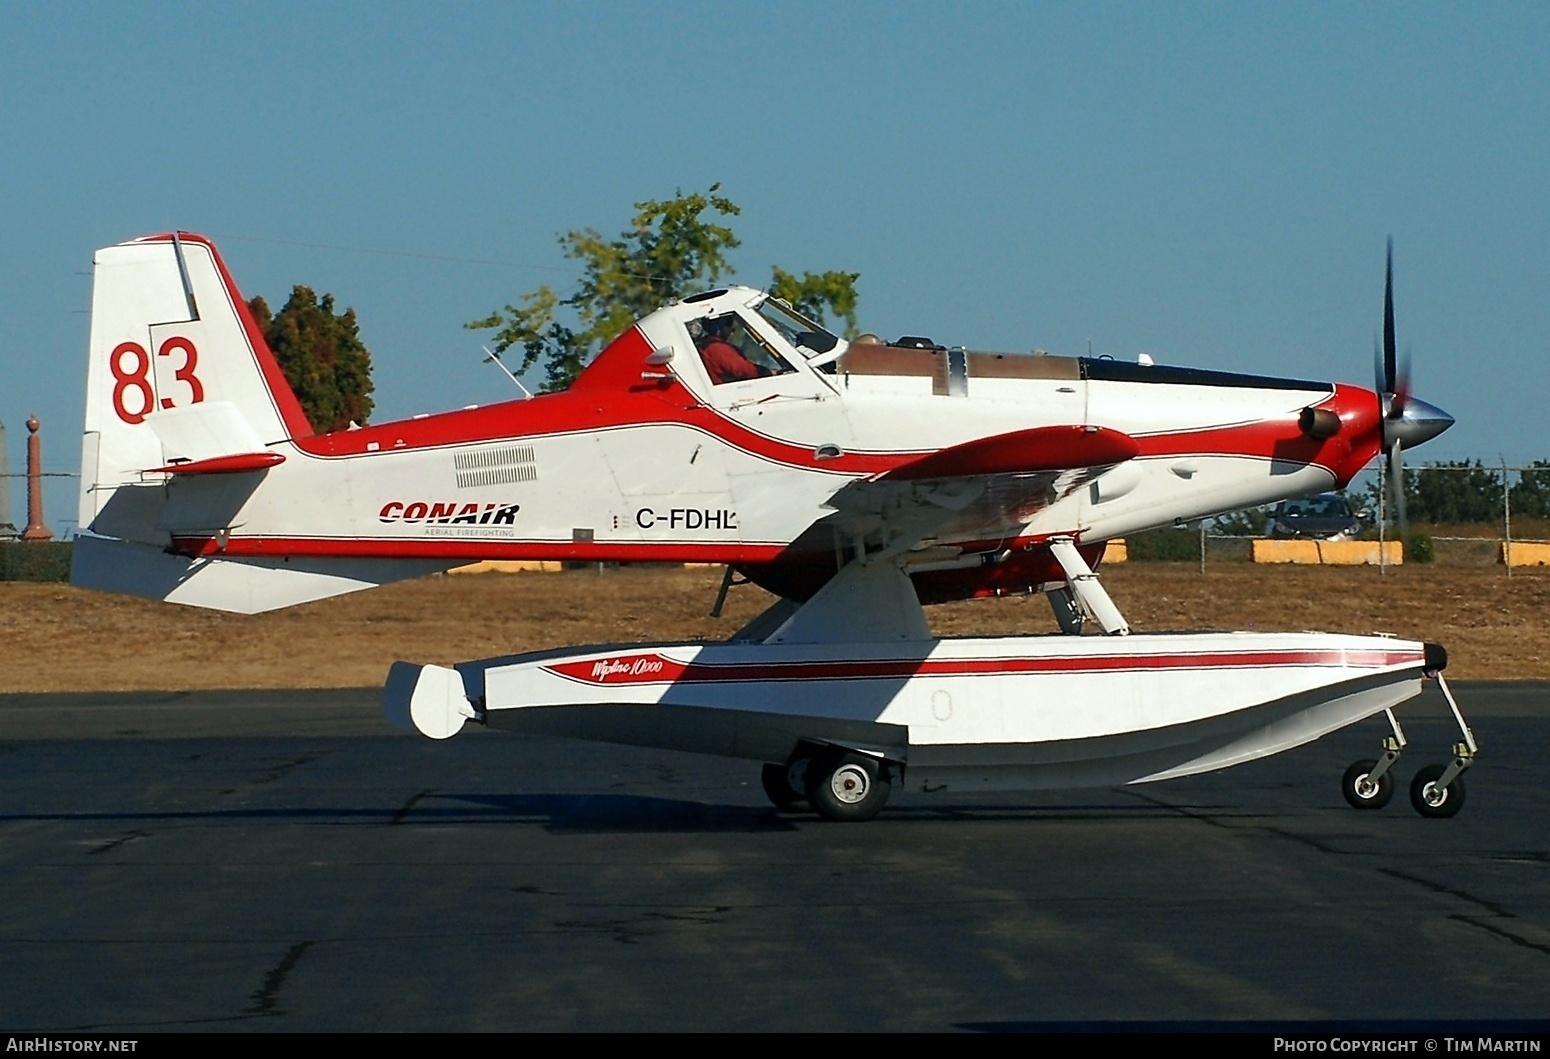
{"points": [[1089, 593]]}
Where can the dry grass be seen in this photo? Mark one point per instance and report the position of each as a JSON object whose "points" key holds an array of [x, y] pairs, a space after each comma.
{"points": [[56, 638]]}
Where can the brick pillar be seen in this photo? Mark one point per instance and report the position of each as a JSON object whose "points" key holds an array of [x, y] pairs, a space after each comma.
{"points": [[35, 530]]}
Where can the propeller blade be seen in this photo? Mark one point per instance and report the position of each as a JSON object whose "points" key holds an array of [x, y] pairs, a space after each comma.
{"points": [[1390, 367], [1401, 388], [1396, 473]]}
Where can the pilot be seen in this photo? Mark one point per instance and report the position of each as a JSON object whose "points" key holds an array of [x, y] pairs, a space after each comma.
{"points": [[722, 360]]}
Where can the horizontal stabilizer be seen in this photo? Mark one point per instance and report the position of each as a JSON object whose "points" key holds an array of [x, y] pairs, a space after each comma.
{"points": [[204, 431], [234, 464], [1062, 448], [242, 586]]}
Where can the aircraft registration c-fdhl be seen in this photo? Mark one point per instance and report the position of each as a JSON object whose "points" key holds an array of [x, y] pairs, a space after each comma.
{"points": [[856, 481]]}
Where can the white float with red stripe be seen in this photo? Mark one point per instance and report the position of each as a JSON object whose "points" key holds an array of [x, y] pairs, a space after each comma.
{"points": [[953, 715]]}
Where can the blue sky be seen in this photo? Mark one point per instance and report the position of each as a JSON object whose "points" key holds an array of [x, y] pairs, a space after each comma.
{"points": [[1211, 183]]}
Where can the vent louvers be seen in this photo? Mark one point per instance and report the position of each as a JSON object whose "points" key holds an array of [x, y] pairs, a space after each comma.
{"points": [[503, 466]]}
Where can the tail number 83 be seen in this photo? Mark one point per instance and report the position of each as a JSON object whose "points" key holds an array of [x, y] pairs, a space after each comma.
{"points": [[131, 367]]}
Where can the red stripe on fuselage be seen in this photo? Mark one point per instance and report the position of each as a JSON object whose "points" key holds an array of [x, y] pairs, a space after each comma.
{"points": [[475, 548]]}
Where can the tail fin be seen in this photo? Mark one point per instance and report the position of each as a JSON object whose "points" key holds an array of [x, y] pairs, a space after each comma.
{"points": [[178, 369], [181, 382]]}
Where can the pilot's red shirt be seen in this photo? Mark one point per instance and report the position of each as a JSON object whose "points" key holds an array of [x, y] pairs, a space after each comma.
{"points": [[725, 363]]}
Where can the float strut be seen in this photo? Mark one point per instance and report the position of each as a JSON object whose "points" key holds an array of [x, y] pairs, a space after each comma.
{"points": [[1085, 586], [1393, 746], [1463, 753]]}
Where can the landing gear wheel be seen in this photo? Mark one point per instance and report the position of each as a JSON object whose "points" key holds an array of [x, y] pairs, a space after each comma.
{"points": [[847, 787], [783, 785], [1432, 800], [1362, 793]]}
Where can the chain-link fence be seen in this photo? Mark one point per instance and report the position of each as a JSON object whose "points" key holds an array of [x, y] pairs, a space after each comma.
{"points": [[1469, 510], [1460, 513]]}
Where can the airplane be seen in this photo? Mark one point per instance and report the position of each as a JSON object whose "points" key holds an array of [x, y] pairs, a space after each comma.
{"points": [[855, 480]]}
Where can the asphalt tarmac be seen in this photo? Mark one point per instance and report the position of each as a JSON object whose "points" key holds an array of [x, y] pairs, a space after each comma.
{"points": [[286, 861]]}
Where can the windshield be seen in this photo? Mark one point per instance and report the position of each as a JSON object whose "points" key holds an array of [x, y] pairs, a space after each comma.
{"points": [[1319, 507], [808, 338]]}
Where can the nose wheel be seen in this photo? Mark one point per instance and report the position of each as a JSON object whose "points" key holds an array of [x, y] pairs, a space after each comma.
{"points": [[1369, 784], [1365, 787], [1437, 790], [1434, 798]]}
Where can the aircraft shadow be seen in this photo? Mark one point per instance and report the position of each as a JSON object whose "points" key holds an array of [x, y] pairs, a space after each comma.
{"points": [[566, 813], [627, 813], [607, 813], [644, 813]]}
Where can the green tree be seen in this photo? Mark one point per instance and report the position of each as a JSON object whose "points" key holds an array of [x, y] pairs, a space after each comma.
{"points": [[322, 356], [1454, 492], [673, 247], [816, 295], [1457, 491], [1531, 496]]}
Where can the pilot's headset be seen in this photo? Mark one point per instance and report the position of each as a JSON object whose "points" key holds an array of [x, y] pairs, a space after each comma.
{"points": [[711, 327]]}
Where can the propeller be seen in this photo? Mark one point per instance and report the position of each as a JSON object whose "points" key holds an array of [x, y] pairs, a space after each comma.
{"points": [[1407, 420], [1393, 386]]}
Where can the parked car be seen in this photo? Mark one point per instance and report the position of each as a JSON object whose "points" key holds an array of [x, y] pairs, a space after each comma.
{"points": [[1326, 517]]}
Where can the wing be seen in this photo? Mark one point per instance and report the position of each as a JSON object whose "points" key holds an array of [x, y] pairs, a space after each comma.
{"points": [[986, 489]]}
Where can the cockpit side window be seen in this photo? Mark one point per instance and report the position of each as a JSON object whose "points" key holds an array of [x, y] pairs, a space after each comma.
{"points": [[732, 352]]}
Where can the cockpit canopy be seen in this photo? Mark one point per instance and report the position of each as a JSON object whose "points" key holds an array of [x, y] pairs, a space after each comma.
{"points": [[741, 334]]}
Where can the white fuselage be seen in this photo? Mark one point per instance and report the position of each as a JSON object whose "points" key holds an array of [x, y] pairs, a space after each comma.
{"points": [[736, 476]]}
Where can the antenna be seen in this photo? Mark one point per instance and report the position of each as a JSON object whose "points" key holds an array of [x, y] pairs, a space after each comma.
{"points": [[188, 286], [527, 394]]}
